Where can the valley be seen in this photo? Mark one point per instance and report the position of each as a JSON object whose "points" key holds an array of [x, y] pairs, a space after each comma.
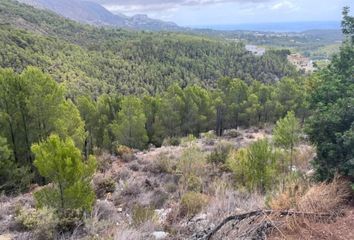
{"points": [[123, 127]]}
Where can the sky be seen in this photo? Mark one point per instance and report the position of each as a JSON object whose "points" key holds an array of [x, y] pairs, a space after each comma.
{"points": [[228, 12]]}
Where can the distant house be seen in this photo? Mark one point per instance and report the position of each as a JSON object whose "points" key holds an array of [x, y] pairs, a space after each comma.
{"points": [[257, 51], [301, 62]]}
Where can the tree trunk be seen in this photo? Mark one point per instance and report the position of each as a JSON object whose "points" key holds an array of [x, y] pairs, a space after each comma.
{"points": [[12, 133], [219, 121]]}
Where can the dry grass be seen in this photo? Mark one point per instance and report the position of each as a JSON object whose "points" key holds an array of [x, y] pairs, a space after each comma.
{"points": [[163, 163], [126, 233], [191, 163], [323, 198], [158, 199], [289, 197], [192, 203], [326, 197], [105, 161], [209, 138], [320, 198], [134, 166], [127, 194], [227, 202], [123, 174], [142, 232], [5, 216], [304, 154], [131, 189], [101, 220], [142, 215]]}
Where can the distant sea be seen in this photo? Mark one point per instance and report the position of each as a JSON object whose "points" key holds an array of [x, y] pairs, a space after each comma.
{"points": [[275, 27]]}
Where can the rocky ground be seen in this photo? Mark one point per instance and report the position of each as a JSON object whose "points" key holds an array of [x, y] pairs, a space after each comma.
{"points": [[149, 180]]}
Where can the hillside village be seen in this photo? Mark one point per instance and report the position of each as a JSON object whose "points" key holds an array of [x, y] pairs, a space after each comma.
{"points": [[302, 63]]}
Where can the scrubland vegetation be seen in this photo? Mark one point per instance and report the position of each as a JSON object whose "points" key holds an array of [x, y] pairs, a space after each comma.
{"points": [[243, 144]]}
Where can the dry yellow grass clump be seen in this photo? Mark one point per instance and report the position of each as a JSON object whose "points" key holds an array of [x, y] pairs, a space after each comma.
{"points": [[319, 203], [326, 197], [329, 198]]}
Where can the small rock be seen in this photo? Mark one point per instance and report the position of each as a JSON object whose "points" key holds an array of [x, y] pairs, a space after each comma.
{"points": [[160, 235], [310, 173], [162, 214], [6, 237], [200, 217]]}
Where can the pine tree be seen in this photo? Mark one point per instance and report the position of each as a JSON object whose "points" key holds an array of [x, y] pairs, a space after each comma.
{"points": [[61, 163], [286, 134], [331, 125], [169, 116], [70, 124], [129, 128], [256, 165]]}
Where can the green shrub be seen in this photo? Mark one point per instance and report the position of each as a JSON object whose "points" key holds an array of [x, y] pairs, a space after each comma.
{"points": [[171, 187], [171, 141], [192, 162], [42, 222], [104, 185], [142, 215], [158, 199], [232, 133], [128, 157], [186, 141], [126, 153], [69, 219], [208, 137], [256, 167], [131, 188], [220, 153], [163, 164], [194, 184], [192, 203], [61, 162], [120, 150]]}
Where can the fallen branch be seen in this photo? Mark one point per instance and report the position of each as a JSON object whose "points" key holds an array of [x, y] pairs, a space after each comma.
{"points": [[243, 216]]}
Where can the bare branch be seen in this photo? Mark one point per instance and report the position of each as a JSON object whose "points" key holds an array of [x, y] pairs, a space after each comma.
{"points": [[243, 216]]}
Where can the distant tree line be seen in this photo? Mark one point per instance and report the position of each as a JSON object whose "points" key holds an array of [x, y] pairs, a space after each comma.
{"points": [[136, 121]]}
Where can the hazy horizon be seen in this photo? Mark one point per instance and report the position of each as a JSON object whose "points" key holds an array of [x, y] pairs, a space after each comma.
{"points": [[299, 26], [231, 12]]}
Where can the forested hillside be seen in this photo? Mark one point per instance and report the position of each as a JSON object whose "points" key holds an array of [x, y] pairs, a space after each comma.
{"points": [[114, 134], [98, 61]]}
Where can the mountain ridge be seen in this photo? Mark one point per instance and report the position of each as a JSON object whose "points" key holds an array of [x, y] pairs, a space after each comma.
{"points": [[95, 14]]}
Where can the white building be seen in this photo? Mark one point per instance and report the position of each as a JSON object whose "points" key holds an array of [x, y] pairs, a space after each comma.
{"points": [[257, 51]]}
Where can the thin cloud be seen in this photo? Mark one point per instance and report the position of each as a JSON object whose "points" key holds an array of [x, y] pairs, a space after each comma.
{"points": [[158, 5], [284, 5]]}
